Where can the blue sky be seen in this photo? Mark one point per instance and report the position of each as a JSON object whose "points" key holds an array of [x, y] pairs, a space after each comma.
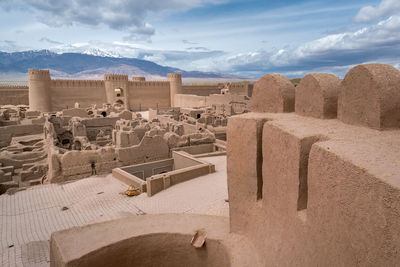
{"points": [[248, 38]]}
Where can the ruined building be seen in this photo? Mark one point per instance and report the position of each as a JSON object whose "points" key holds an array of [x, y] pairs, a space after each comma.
{"points": [[313, 180]]}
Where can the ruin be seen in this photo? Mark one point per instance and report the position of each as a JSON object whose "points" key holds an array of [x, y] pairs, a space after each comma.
{"points": [[312, 170], [303, 191]]}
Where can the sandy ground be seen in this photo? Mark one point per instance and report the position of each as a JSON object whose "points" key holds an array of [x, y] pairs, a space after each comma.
{"points": [[28, 217]]}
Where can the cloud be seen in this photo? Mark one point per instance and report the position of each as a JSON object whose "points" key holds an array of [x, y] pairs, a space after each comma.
{"points": [[333, 53], [9, 46], [384, 9], [185, 59], [189, 42], [45, 39], [129, 16], [198, 48]]}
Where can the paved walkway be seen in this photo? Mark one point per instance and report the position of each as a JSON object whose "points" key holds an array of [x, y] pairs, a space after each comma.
{"points": [[28, 217]]}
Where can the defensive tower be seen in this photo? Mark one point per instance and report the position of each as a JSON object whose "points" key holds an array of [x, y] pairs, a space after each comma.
{"points": [[175, 85], [39, 90], [116, 86]]}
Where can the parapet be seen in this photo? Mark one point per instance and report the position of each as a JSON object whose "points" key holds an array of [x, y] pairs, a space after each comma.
{"points": [[317, 96], [115, 77], [174, 76], [76, 83], [147, 84], [370, 96], [138, 79], [35, 74], [273, 93], [7, 87]]}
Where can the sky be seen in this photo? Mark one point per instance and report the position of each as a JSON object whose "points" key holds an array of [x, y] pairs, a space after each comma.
{"points": [[248, 38]]}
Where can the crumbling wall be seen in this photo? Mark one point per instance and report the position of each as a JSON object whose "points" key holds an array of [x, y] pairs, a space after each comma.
{"points": [[151, 148], [319, 192], [201, 90], [79, 164], [186, 100]]}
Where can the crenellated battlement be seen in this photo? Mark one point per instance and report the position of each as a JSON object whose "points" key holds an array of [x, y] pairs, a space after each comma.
{"points": [[76, 83], [115, 77], [233, 86], [35, 74], [314, 181], [174, 75], [138, 79], [5, 87], [148, 84], [46, 93]]}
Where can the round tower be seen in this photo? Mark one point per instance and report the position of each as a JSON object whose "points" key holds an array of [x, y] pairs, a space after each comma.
{"points": [[116, 86], [175, 86], [39, 90], [138, 79]]}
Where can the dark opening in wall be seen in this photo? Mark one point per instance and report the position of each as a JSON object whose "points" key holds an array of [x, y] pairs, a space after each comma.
{"points": [[65, 141], [118, 92], [259, 162], [306, 145], [104, 114]]}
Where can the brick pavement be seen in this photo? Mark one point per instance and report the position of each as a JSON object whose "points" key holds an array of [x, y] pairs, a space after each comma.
{"points": [[28, 217]]}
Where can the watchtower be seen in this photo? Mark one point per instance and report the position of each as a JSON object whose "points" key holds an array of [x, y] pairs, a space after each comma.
{"points": [[39, 90], [116, 86], [175, 85]]}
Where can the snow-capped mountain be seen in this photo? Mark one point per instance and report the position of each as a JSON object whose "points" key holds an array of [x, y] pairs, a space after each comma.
{"points": [[92, 63], [101, 53]]}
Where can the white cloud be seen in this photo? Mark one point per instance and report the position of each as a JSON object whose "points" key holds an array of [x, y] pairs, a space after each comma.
{"points": [[384, 9], [335, 52], [129, 16]]}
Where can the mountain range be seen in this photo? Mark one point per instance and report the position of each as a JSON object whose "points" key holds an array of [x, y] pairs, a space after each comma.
{"points": [[89, 65]]}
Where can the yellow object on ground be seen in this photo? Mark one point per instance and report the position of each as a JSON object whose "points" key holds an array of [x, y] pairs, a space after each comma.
{"points": [[132, 191]]}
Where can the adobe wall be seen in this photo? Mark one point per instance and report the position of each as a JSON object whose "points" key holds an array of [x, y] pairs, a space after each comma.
{"points": [[241, 89], [152, 240], [145, 95], [14, 95], [149, 149], [201, 90], [78, 164], [188, 128], [317, 192], [187, 101], [65, 93], [48, 95], [238, 102], [206, 90], [22, 129]]}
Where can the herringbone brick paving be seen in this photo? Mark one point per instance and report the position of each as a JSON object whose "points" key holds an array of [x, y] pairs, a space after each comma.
{"points": [[28, 217]]}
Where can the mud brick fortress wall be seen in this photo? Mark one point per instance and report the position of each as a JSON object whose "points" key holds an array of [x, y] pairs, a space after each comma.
{"points": [[314, 170], [48, 95], [14, 95]]}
